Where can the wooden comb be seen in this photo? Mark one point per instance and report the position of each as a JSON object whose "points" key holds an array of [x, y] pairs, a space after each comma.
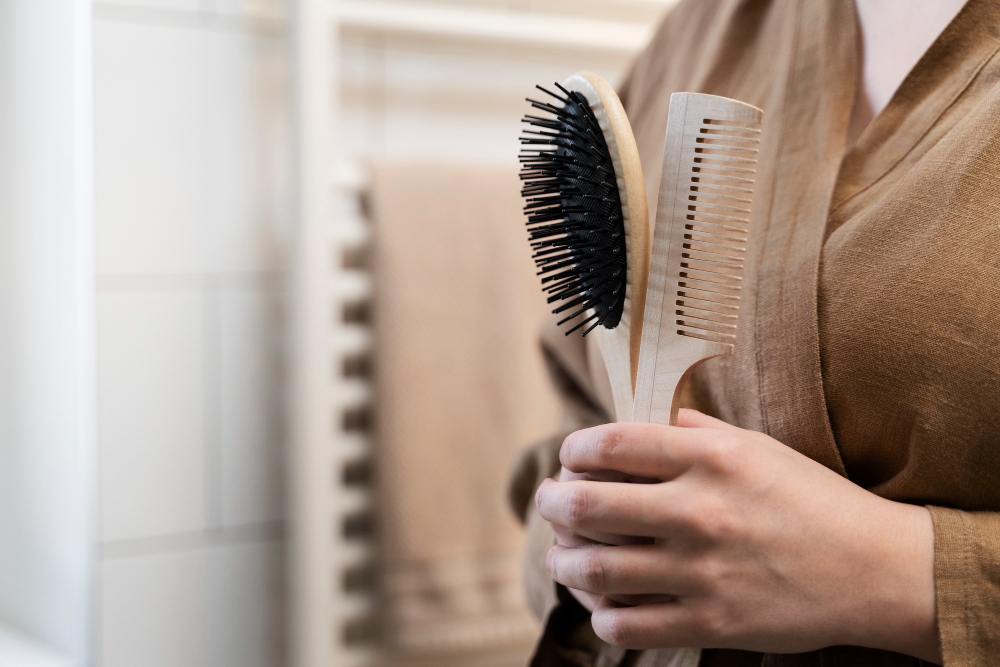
{"points": [[699, 245]]}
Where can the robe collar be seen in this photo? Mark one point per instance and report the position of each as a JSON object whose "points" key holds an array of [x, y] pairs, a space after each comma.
{"points": [[807, 119]]}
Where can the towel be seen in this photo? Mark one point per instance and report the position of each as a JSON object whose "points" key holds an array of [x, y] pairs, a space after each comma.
{"points": [[460, 386]]}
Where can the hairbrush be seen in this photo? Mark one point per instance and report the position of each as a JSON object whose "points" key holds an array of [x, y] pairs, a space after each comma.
{"points": [[588, 220], [699, 246]]}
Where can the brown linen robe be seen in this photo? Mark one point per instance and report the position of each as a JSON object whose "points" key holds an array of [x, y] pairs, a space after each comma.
{"points": [[871, 316]]}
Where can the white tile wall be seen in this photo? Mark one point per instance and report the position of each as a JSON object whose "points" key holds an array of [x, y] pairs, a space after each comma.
{"points": [[191, 134], [152, 403], [251, 383], [189, 128], [266, 8], [177, 5], [215, 606], [411, 101], [191, 118]]}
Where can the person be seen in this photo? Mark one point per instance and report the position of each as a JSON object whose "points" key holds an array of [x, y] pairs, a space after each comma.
{"points": [[834, 497]]}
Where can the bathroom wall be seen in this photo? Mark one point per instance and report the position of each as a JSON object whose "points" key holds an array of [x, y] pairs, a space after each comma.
{"points": [[192, 235], [46, 334], [191, 141], [145, 228]]}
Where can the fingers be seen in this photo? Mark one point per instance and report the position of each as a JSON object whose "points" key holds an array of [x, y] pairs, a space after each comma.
{"points": [[585, 538], [641, 450], [598, 476], [632, 600], [588, 601], [658, 625], [621, 570], [656, 453], [641, 510]]}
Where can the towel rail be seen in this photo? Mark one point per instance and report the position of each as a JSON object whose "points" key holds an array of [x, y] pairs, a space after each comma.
{"points": [[329, 396]]}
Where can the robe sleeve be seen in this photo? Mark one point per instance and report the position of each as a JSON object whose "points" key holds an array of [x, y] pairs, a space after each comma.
{"points": [[967, 578]]}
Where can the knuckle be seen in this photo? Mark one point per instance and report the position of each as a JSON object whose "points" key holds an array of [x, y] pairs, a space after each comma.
{"points": [[595, 447], [685, 513], [606, 445], [719, 452], [577, 506], [706, 572], [592, 572], [711, 519], [712, 622]]}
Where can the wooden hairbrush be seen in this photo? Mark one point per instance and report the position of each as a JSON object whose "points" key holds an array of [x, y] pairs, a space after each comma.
{"points": [[588, 221], [699, 245]]}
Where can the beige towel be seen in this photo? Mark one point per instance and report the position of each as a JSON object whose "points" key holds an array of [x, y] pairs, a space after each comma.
{"points": [[460, 388]]}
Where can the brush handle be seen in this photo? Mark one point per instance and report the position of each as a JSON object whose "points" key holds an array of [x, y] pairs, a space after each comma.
{"points": [[616, 354]]}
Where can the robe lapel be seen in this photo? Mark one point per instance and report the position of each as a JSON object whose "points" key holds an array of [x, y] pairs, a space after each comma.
{"points": [[944, 72], [809, 115]]}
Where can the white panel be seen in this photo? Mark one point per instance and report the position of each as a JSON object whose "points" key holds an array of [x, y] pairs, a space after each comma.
{"points": [[252, 464], [253, 8], [20, 650], [209, 607], [46, 327], [178, 5], [456, 105], [190, 148], [152, 414]]}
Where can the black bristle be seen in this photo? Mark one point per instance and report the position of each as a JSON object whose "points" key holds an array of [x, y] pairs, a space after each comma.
{"points": [[574, 211]]}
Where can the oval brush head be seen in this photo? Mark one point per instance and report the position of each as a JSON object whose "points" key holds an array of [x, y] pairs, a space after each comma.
{"points": [[574, 208]]}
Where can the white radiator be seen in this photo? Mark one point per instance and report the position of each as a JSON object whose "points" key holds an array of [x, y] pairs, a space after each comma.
{"points": [[330, 555]]}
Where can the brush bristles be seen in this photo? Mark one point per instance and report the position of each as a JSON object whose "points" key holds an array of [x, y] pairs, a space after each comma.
{"points": [[574, 211]]}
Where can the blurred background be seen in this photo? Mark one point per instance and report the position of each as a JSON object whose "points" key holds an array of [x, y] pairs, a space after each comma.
{"points": [[268, 324]]}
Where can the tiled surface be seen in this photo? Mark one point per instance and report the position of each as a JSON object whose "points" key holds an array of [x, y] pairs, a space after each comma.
{"points": [[192, 140], [446, 103], [177, 5], [189, 142], [250, 386], [251, 7], [217, 606], [152, 397], [191, 178]]}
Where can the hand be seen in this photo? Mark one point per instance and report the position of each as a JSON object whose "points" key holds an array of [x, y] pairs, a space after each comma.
{"points": [[756, 547], [569, 538]]}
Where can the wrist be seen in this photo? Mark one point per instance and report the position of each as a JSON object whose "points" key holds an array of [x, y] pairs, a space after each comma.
{"points": [[898, 610]]}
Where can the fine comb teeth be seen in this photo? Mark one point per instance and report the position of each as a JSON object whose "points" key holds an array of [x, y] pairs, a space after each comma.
{"points": [[700, 238], [722, 166]]}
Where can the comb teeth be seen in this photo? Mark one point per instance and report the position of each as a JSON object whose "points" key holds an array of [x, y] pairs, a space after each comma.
{"points": [[713, 245]]}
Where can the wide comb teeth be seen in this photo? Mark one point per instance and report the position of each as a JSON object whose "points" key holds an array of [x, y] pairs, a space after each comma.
{"points": [[722, 172]]}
